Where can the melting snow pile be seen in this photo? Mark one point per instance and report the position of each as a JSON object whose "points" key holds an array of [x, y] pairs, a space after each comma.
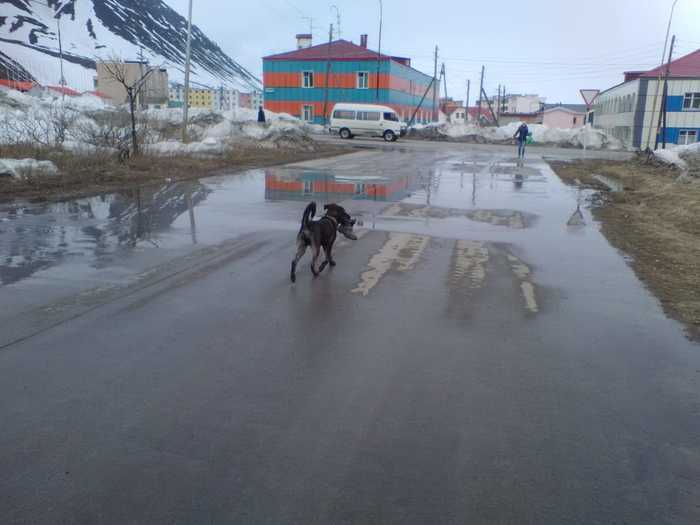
{"points": [[86, 125], [23, 168], [680, 156], [577, 137]]}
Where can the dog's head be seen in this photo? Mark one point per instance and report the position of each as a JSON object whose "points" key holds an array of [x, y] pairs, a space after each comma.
{"points": [[345, 222]]}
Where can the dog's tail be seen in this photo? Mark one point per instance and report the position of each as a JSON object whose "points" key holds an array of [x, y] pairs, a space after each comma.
{"points": [[309, 212]]}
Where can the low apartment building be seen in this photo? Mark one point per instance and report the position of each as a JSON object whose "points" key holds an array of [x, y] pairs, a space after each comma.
{"points": [[154, 92], [631, 111]]}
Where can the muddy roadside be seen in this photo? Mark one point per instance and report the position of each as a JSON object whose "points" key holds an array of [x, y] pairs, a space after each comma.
{"points": [[84, 176], [650, 214]]}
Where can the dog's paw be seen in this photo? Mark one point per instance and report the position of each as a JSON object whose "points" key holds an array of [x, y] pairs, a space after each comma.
{"points": [[332, 263]]}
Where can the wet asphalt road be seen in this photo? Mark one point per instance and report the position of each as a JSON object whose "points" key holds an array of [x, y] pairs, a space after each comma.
{"points": [[472, 359]]}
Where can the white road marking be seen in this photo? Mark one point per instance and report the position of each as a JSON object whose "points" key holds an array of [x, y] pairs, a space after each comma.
{"points": [[401, 250], [469, 263]]}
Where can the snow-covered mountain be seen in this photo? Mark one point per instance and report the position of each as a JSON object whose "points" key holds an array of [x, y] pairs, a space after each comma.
{"points": [[95, 29]]}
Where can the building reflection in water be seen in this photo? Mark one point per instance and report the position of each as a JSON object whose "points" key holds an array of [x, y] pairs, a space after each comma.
{"points": [[328, 187]]}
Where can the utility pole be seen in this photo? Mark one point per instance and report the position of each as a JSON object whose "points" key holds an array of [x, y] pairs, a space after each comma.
{"points": [[466, 105], [658, 82], [444, 78], [664, 99], [328, 75], [188, 49], [60, 54], [379, 51], [498, 102], [435, 84], [481, 90]]}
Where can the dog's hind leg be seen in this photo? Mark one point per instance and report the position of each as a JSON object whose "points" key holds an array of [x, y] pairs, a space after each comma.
{"points": [[316, 251], [329, 255], [301, 250], [329, 259]]}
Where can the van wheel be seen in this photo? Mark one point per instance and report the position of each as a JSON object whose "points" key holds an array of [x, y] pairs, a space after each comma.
{"points": [[389, 136], [345, 133]]}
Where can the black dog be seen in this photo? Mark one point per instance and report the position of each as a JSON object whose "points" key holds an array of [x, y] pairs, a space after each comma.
{"points": [[321, 234]]}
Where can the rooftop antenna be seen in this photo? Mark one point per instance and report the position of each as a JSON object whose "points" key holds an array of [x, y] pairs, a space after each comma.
{"points": [[337, 17], [311, 23]]}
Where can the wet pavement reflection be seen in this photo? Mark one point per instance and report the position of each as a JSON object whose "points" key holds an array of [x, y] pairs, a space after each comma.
{"points": [[95, 233]]}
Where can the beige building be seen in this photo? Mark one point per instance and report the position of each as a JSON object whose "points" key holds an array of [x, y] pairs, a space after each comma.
{"points": [[154, 92]]}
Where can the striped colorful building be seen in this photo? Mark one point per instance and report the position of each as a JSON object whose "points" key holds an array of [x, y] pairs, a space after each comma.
{"points": [[298, 82]]}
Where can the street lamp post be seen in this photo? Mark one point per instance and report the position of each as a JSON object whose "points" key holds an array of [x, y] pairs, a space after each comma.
{"points": [[186, 102], [379, 51], [658, 81]]}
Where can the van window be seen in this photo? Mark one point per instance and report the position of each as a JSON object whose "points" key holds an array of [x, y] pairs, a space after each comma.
{"points": [[344, 114], [367, 115], [391, 116]]}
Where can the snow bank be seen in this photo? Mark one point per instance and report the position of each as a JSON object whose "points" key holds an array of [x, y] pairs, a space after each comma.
{"points": [[592, 138], [680, 156], [85, 124], [21, 168]]}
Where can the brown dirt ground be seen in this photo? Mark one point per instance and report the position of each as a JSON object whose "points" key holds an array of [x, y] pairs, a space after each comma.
{"points": [[655, 220], [82, 176]]}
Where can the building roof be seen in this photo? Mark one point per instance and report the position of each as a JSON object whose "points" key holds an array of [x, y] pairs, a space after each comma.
{"points": [[685, 66], [64, 90], [339, 50], [99, 94], [570, 108], [474, 113], [16, 84]]}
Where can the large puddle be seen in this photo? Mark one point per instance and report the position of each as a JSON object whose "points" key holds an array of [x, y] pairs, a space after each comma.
{"points": [[460, 196]]}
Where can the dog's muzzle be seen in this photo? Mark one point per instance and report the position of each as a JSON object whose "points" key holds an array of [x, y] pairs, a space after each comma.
{"points": [[346, 229]]}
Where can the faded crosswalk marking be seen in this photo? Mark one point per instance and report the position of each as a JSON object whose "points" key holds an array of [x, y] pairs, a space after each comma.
{"points": [[401, 252]]}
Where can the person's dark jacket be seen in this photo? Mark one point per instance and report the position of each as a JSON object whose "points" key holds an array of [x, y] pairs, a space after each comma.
{"points": [[261, 115], [522, 132]]}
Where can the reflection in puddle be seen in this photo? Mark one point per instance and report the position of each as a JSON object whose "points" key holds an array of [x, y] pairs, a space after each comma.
{"points": [[328, 187], [36, 237]]}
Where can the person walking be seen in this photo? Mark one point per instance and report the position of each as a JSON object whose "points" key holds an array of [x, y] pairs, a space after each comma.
{"points": [[521, 136], [261, 114]]}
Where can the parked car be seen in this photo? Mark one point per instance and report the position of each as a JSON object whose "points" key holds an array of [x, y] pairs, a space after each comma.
{"points": [[350, 120]]}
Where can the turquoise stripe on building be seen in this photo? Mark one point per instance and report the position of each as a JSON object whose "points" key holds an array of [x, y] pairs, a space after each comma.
{"points": [[360, 96], [385, 67]]}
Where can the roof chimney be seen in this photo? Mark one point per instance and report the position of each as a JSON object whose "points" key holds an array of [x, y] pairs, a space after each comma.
{"points": [[303, 40], [363, 41]]}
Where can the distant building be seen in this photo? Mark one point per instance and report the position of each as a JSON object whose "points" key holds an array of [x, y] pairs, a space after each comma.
{"points": [[564, 115], [19, 85], [225, 99], [453, 110], [630, 111], [296, 82], [522, 104], [201, 98], [155, 89]]}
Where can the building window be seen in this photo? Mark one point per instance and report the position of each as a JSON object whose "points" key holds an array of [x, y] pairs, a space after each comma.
{"points": [[307, 79], [308, 187], [687, 136], [362, 79], [574, 121], [307, 113], [360, 189], [691, 101]]}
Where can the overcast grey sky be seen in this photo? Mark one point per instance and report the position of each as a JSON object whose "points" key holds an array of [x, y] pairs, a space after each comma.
{"points": [[549, 47]]}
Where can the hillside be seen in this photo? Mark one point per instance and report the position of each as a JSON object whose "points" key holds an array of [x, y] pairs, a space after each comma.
{"points": [[94, 29]]}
